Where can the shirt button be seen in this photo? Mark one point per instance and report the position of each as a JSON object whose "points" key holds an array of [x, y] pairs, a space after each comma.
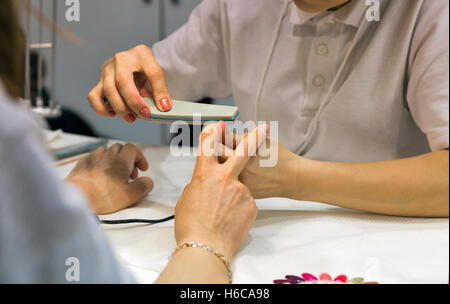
{"points": [[319, 81], [322, 49]]}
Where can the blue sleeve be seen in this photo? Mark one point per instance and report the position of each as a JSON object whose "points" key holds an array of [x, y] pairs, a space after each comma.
{"points": [[47, 232]]}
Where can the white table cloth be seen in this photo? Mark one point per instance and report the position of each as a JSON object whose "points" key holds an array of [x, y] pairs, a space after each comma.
{"points": [[289, 237]]}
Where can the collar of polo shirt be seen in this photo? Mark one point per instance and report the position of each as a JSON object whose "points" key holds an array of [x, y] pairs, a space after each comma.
{"points": [[350, 14]]}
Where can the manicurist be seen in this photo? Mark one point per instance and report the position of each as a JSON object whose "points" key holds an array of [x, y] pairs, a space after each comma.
{"points": [[360, 93]]}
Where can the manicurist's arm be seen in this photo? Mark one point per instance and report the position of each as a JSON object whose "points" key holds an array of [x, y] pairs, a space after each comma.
{"points": [[417, 186]]}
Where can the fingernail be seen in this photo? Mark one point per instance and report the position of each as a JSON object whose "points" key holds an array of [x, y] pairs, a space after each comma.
{"points": [[325, 277], [165, 104], [282, 282], [144, 112], [112, 113], [309, 277], [294, 279], [341, 278], [130, 118]]}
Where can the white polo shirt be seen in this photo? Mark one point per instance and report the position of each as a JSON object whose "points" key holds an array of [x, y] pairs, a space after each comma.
{"points": [[342, 88]]}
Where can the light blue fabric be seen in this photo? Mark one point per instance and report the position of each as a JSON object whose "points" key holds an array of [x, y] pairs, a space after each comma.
{"points": [[43, 221]]}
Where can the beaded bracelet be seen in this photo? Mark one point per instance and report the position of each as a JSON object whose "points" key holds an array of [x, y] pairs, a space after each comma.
{"points": [[220, 256]]}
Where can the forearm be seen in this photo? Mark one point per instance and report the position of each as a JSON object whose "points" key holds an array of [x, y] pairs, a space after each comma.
{"points": [[194, 266], [417, 186]]}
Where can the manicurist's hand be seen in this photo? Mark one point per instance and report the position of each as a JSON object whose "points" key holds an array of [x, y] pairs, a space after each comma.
{"points": [[215, 209], [124, 80], [272, 173], [394, 187], [104, 176]]}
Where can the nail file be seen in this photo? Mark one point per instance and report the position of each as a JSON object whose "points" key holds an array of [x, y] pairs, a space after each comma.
{"points": [[188, 111]]}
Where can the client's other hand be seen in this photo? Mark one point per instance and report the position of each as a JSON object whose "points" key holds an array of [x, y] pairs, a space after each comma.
{"points": [[104, 176], [215, 208]]}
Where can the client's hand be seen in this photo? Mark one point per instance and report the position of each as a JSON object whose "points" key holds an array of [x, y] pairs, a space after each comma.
{"points": [[104, 177], [216, 208]]}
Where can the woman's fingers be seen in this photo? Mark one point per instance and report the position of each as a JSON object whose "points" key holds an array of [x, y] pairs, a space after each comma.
{"points": [[95, 99], [155, 76], [247, 148], [134, 158], [123, 91], [210, 145], [111, 93], [230, 139], [125, 67]]}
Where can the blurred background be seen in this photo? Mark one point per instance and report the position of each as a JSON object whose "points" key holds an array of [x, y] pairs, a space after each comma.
{"points": [[106, 27]]}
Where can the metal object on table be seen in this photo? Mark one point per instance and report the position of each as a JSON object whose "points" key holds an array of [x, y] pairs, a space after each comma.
{"points": [[78, 149], [51, 110]]}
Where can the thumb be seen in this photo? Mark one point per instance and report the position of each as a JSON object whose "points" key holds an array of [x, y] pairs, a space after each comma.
{"points": [[139, 188]]}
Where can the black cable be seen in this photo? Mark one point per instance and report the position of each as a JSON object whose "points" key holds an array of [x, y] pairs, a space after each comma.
{"points": [[136, 221]]}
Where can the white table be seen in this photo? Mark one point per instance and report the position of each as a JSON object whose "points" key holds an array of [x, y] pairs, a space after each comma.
{"points": [[289, 237]]}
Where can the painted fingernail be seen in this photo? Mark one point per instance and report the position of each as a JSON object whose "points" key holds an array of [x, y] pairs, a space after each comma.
{"points": [[325, 277], [294, 279], [130, 118], [165, 104], [282, 282], [112, 113], [356, 281], [144, 112], [341, 278], [309, 277]]}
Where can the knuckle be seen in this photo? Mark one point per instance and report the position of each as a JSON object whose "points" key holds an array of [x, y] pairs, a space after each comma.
{"points": [[130, 146], [120, 56], [141, 49], [121, 79], [157, 75], [115, 146], [91, 96], [107, 63], [109, 88]]}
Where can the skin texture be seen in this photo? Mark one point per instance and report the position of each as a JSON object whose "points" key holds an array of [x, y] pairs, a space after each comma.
{"points": [[215, 209], [104, 177], [124, 80], [316, 6], [416, 187]]}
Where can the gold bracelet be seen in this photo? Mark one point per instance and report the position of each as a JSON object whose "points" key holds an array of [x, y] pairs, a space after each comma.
{"points": [[209, 249]]}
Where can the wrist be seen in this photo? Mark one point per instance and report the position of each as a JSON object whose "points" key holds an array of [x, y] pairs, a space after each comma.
{"points": [[205, 253], [298, 178], [214, 243]]}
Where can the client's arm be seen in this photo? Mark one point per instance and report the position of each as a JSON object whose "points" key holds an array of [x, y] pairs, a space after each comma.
{"points": [[215, 210]]}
